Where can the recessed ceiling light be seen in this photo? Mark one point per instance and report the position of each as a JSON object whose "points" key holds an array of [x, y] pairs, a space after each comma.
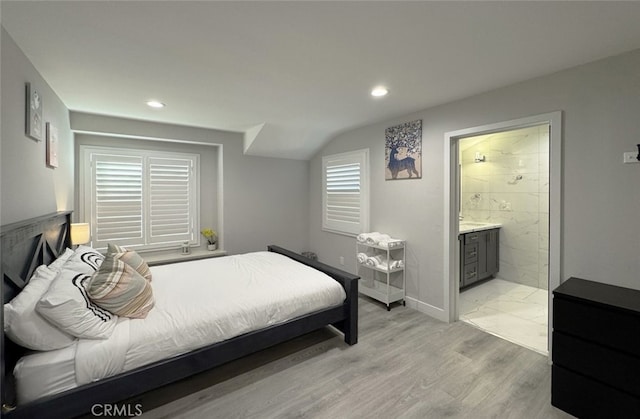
{"points": [[379, 91], [155, 104]]}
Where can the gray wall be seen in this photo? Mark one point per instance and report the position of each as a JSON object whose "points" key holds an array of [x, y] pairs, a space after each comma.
{"points": [[601, 196], [28, 187], [265, 199]]}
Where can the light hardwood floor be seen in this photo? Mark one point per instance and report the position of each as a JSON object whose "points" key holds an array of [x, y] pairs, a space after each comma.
{"points": [[405, 365]]}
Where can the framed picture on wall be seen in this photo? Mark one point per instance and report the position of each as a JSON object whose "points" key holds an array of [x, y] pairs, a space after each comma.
{"points": [[403, 151], [52, 145], [34, 113]]}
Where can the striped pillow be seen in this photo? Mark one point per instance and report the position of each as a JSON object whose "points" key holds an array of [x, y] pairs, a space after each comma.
{"points": [[118, 288], [131, 258]]}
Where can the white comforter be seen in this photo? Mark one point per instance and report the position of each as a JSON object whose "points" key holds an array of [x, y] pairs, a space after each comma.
{"points": [[206, 301]]}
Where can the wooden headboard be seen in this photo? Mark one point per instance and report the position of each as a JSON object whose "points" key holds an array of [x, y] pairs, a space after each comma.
{"points": [[24, 246]]}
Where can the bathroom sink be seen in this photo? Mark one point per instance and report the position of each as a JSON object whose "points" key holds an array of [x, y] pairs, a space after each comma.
{"points": [[470, 226]]}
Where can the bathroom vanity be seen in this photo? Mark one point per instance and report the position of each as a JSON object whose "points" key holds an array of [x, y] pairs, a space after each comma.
{"points": [[479, 251]]}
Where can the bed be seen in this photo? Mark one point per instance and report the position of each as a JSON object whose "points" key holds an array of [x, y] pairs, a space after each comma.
{"points": [[29, 244]]}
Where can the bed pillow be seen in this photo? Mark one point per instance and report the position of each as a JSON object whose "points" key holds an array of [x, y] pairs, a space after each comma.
{"points": [[131, 258], [85, 259], [119, 288], [57, 264], [24, 325], [67, 305]]}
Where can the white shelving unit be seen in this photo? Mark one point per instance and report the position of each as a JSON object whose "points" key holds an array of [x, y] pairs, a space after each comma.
{"points": [[385, 285]]}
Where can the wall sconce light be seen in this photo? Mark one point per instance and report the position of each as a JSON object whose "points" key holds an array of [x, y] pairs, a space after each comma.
{"points": [[80, 233], [479, 157]]}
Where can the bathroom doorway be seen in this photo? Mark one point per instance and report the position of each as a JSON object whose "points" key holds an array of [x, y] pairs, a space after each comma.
{"points": [[504, 234], [505, 178]]}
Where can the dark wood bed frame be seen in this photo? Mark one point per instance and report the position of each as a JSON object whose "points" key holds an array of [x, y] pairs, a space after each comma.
{"points": [[28, 244]]}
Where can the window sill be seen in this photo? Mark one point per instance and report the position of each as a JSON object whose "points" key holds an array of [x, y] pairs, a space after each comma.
{"points": [[342, 233], [173, 256]]}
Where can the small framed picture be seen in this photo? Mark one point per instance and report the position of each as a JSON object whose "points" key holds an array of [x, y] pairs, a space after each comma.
{"points": [[52, 145], [34, 113]]}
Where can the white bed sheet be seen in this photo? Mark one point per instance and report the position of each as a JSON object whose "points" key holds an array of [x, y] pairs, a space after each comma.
{"points": [[41, 374], [202, 302], [233, 295]]}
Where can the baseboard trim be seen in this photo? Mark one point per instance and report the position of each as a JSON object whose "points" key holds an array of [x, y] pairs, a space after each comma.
{"points": [[428, 309]]}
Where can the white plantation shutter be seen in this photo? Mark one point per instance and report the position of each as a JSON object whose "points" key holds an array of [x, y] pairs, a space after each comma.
{"points": [[117, 199], [343, 192], [345, 206], [170, 200], [139, 198]]}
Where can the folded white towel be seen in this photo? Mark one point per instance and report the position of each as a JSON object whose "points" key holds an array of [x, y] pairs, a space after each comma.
{"points": [[371, 261], [397, 264], [361, 257], [383, 266], [392, 264], [390, 243], [373, 238], [378, 259], [382, 238], [362, 238], [369, 238], [379, 239]]}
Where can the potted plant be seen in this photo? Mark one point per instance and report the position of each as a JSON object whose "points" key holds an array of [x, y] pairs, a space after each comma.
{"points": [[212, 238]]}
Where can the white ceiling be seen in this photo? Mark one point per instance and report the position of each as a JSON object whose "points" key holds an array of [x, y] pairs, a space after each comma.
{"points": [[294, 74]]}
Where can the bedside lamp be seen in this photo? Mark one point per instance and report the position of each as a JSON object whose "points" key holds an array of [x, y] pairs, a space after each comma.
{"points": [[80, 233]]}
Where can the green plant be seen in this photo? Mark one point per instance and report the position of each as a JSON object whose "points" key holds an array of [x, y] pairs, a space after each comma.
{"points": [[210, 235]]}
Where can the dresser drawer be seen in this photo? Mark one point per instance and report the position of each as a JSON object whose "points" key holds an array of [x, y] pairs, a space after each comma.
{"points": [[586, 398], [608, 366], [599, 324]]}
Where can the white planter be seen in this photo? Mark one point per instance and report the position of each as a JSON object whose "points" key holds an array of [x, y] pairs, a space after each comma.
{"points": [[212, 247]]}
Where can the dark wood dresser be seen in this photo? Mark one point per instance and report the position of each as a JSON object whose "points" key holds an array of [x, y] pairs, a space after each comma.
{"points": [[596, 350]]}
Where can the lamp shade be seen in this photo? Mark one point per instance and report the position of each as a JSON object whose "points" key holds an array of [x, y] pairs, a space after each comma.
{"points": [[80, 233]]}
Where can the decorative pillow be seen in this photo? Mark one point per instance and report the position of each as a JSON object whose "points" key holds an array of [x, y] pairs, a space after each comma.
{"points": [[24, 325], [57, 264], [131, 258], [85, 259], [119, 288], [67, 305]]}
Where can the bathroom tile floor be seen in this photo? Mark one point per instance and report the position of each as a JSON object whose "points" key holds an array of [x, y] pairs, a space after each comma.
{"points": [[515, 312]]}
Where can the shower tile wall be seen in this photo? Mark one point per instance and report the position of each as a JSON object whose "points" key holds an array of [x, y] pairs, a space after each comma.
{"points": [[511, 187]]}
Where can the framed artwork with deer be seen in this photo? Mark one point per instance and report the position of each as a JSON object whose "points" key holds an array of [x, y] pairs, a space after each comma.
{"points": [[403, 151]]}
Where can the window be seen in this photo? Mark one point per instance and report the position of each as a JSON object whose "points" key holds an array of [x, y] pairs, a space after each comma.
{"points": [[139, 198], [345, 192]]}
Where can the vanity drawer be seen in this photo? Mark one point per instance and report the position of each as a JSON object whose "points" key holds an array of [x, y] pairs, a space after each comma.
{"points": [[470, 253], [470, 272], [471, 238]]}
